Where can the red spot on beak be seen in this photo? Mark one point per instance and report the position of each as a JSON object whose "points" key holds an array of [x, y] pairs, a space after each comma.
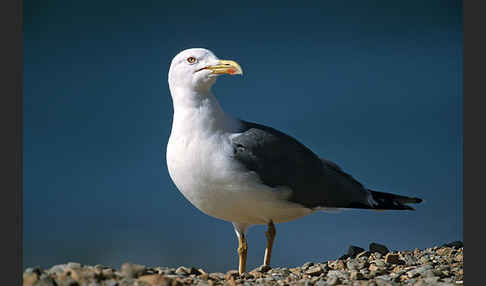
{"points": [[231, 71]]}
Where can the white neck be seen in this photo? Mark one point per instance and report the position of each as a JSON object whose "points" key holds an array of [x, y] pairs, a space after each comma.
{"points": [[199, 110]]}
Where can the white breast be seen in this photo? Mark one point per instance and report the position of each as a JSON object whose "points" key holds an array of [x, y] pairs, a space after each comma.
{"points": [[200, 163]]}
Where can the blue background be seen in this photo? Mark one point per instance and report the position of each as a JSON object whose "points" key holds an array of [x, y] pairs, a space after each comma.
{"points": [[375, 86]]}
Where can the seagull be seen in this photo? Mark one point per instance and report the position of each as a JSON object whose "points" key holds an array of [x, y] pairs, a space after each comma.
{"points": [[247, 173]]}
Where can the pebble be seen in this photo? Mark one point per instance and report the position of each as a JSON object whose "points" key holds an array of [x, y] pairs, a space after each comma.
{"points": [[393, 258], [132, 270], [377, 267], [380, 248], [314, 271], [354, 250]]}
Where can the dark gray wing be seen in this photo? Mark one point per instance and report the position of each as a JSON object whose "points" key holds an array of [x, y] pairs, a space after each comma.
{"points": [[281, 160]]}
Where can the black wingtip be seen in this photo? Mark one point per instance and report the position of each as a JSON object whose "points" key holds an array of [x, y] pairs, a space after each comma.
{"points": [[393, 202]]}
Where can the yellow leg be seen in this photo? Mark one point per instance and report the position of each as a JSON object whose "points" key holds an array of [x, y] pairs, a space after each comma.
{"points": [[270, 234], [242, 251]]}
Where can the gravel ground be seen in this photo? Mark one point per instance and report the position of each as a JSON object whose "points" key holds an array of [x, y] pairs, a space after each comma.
{"points": [[376, 266]]}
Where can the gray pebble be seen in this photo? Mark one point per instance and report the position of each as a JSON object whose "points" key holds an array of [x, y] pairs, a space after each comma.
{"points": [[307, 265], [355, 275], [383, 282], [45, 281], [363, 254], [183, 270], [321, 283], [58, 269], [132, 270], [110, 282], [352, 265], [418, 271], [332, 280], [74, 265]]}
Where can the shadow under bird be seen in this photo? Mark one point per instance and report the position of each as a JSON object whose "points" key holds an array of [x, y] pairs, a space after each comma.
{"points": [[244, 172]]}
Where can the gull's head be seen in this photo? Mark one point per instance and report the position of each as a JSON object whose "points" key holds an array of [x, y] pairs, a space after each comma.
{"points": [[197, 69]]}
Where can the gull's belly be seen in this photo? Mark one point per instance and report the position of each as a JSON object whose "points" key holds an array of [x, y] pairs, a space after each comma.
{"points": [[211, 180]]}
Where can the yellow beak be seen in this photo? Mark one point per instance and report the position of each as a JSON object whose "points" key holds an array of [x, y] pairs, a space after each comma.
{"points": [[226, 67]]}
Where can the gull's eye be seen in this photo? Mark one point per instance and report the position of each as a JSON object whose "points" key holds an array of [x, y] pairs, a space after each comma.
{"points": [[191, 60]]}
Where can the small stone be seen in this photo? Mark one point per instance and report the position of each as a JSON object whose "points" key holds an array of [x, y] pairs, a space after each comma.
{"points": [[155, 280], [456, 244], [46, 281], [332, 280], [183, 270], [58, 269], [30, 278], [393, 258], [352, 265], [418, 271], [338, 273], [409, 259], [67, 281], [108, 273], [355, 275], [110, 282], [74, 265], [363, 254], [380, 263], [132, 270], [443, 251], [343, 257], [373, 267], [216, 276], [380, 248], [354, 250], [424, 259], [336, 265], [232, 274], [314, 271], [307, 265], [383, 282], [127, 282], [263, 268]]}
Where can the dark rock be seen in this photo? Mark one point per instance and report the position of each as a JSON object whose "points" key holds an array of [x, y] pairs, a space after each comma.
{"points": [[343, 257], [380, 248], [363, 254], [263, 268], [354, 250], [456, 244], [393, 259]]}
